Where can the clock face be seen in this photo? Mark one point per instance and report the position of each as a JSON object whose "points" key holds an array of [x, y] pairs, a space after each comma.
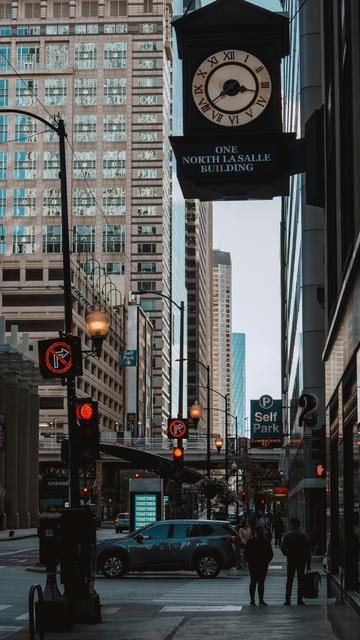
{"points": [[231, 88]]}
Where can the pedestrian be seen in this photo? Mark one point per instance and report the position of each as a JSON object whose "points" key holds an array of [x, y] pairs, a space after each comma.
{"points": [[258, 553], [278, 528], [245, 532], [296, 547]]}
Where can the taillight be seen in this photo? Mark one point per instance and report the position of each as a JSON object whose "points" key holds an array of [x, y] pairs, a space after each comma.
{"points": [[232, 539]]}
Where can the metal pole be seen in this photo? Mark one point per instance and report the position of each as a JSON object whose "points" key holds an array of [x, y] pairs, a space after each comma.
{"points": [[181, 359], [237, 470], [208, 439], [226, 451], [74, 486]]}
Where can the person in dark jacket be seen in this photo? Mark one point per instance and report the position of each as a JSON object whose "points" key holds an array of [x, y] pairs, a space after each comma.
{"points": [[258, 553], [278, 528], [296, 547]]}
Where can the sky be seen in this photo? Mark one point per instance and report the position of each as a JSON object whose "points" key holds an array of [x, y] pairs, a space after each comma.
{"points": [[250, 231]]}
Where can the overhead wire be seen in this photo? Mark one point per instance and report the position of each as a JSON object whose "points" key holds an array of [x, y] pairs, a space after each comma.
{"points": [[297, 11]]}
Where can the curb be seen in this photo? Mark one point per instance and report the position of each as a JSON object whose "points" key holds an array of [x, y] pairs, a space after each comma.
{"points": [[31, 535]]}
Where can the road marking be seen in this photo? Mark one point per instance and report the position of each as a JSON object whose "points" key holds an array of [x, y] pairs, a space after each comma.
{"points": [[174, 609], [5, 606], [6, 631], [10, 553], [275, 566], [107, 611], [24, 616], [3, 566]]}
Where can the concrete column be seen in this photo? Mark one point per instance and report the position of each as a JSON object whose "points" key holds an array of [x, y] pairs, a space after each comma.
{"points": [[33, 483], [23, 458], [2, 460]]}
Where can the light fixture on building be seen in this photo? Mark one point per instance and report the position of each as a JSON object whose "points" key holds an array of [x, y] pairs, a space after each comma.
{"points": [[218, 443], [97, 324]]}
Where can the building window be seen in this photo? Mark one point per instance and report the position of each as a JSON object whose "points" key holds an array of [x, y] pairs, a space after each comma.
{"points": [[5, 11], [2, 202], [51, 240], [85, 164], [148, 136], [86, 55], [148, 27], [147, 82], [89, 9], [113, 238], [5, 57], [25, 129], [86, 29], [115, 90], [57, 30], [113, 200], [84, 238], [52, 202], [24, 202], [3, 128], [3, 165], [148, 305], [56, 91], [85, 91], [2, 239], [146, 267], [147, 247], [147, 174], [147, 118], [23, 238], [148, 6], [51, 164], [28, 56], [145, 154], [146, 285], [148, 100], [146, 230], [114, 127], [146, 192], [25, 165], [148, 210], [119, 27], [61, 9], [32, 10], [117, 268], [84, 202], [118, 8], [114, 164], [147, 45], [28, 30], [85, 128], [26, 92], [5, 31], [147, 63], [57, 56], [115, 55]]}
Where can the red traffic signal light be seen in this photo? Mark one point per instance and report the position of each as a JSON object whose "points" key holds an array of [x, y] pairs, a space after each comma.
{"points": [[137, 474], [110, 499], [178, 454], [88, 434], [84, 410], [320, 470], [85, 490]]}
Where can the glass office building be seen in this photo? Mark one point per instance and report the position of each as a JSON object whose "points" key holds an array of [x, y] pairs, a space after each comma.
{"points": [[238, 380]]}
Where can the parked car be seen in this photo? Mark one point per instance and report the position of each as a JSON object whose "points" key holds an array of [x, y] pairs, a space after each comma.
{"points": [[203, 546], [122, 522]]}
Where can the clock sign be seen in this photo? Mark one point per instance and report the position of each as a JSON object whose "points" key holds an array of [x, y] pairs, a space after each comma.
{"points": [[231, 87]]}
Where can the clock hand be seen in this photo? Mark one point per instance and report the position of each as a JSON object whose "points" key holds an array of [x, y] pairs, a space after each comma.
{"points": [[242, 89], [221, 95]]}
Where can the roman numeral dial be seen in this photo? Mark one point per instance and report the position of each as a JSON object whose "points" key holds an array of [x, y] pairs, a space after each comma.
{"points": [[231, 88]]}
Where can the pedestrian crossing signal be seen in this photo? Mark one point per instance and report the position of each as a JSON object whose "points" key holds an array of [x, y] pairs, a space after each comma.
{"points": [[320, 470]]}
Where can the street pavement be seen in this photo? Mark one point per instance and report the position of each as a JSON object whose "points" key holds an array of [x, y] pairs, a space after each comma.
{"points": [[176, 606]]}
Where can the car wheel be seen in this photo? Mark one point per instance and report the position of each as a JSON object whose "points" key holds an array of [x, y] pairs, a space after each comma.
{"points": [[114, 565], [207, 566]]}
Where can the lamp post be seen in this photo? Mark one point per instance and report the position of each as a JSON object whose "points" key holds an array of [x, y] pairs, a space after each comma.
{"points": [[219, 443], [97, 324]]}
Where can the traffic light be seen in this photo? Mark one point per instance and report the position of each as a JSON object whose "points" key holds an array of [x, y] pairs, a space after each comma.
{"points": [[178, 455], [87, 417]]}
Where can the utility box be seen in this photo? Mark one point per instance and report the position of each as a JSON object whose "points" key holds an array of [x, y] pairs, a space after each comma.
{"points": [[146, 501], [49, 532]]}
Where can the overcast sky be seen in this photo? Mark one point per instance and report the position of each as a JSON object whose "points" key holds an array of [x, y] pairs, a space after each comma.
{"points": [[250, 231]]}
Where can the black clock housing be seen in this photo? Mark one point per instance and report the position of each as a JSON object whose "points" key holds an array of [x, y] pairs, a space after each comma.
{"points": [[226, 25]]}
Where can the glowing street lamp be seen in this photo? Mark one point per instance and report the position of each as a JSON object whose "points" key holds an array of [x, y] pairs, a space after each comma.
{"points": [[97, 324], [218, 443]]}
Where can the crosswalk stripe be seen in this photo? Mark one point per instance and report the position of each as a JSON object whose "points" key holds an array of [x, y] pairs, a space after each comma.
{"points": [[24, 616], [205, 608], [5, 606], [6, 631]]}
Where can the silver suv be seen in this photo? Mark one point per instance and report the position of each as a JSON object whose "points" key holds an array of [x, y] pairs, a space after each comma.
{"points": [[205, 546]]}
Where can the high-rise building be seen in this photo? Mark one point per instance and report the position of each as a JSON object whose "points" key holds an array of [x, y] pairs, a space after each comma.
{"points": [[221, 340], [199, 286], [302, 238], [106, 67], [238, 380]]}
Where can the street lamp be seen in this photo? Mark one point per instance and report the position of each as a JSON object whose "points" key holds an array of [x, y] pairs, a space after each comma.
{"points": [[196, 411], [219, 443], [97, 324]]}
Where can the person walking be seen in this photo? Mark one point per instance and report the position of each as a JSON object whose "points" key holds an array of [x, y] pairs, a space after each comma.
{"points": [[296, 547], [278, 528], [258, 553], [245, 533]]}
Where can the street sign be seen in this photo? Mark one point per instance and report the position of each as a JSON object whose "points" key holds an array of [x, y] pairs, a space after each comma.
{"points": [[60, 358], [128, 358], [266, 428], [177, 428], [2, 432], [131, 422]]}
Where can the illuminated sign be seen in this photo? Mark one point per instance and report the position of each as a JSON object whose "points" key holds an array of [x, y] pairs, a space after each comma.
{"points": [[177, 428], [145, 509], [266, 428], [60, 358]]}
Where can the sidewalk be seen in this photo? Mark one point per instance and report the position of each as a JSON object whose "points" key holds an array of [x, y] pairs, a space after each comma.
{"points": [[18, 533]]}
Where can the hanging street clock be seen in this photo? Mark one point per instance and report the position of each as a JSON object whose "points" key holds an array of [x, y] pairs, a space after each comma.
{"points": [[233, 144]]}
